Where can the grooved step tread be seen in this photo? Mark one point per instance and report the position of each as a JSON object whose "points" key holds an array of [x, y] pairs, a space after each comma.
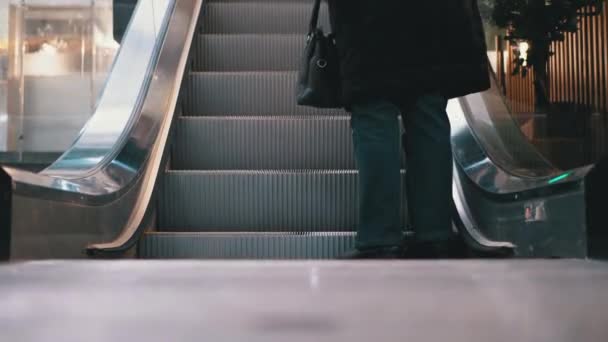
{"points": [[229, 201], [245, 93], [264, 52], [323, 245], [260, 17], [263, 143], [239, 113]]}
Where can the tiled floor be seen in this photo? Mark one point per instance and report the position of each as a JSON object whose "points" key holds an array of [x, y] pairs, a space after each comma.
{"points": [[308, 301]]}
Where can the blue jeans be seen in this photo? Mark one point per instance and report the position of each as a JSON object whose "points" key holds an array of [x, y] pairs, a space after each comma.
{"points": [[377, 142]]}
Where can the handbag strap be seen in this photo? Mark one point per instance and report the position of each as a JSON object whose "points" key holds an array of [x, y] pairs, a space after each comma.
{"points": [[314, 19]]}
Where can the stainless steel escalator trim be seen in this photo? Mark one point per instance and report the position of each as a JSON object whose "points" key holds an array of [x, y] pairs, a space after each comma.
{"points": [[57, 216], [129, 236], [491, 198], [480, 165], [467, 219]]}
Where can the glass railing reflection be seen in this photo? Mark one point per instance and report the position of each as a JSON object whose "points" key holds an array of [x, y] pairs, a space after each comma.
{"points": [[54, 62], [563, 111]]}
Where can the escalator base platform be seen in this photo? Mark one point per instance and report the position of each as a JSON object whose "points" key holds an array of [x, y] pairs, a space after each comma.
{"points": [[468, 301]]}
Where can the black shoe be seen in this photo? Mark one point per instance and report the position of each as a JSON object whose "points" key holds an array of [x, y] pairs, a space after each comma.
{"points": [[374, 253]]}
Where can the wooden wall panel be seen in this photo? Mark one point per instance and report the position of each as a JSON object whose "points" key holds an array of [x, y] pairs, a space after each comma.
{"points": [[579, 71], [519, 90], [578, 74]]}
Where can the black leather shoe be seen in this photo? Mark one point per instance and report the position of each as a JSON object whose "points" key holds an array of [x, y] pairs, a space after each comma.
{"points": [[374, 253]]}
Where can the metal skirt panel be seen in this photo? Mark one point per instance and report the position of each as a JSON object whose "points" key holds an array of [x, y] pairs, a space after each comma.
{"points": [[541, 225]]}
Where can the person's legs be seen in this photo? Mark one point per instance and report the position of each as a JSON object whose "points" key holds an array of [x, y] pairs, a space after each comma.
{"points": [[376, 138], [429, 174]]}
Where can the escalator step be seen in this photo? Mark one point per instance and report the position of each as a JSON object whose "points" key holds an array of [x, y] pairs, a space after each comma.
{"points": [[263, 143], [232, 201], [255, 176], [245, 93], [224, 52], [245, 245], [261, 16]]}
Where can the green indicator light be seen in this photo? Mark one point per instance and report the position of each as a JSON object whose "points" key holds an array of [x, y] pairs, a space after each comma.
{"points": [[559, 178]]}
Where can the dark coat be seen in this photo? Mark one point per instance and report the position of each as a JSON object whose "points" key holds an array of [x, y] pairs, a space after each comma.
{"points": [[399, 48]]}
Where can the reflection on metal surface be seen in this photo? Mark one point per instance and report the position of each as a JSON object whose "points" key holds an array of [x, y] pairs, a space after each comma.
{"points": [[467, 218], [117, 109], [492, 150], [503, 187], [535, 211]]}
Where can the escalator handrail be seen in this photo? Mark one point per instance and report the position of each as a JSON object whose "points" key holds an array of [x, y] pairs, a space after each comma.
{"points": [[481, 163]]}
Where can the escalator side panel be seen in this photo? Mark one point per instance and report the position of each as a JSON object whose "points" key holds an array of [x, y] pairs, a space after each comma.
{"points": [[47, 229], [597, 210], [547, 226]]}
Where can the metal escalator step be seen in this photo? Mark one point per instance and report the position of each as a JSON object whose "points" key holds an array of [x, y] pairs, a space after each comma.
{"points": [[245, 93], [263, 143], [248, 52], [261, 16], [324, 245], [232, 201]]}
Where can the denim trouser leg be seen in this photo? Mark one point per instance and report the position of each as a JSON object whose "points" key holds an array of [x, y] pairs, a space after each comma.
{"points": [[429, 175], [376, 138]]}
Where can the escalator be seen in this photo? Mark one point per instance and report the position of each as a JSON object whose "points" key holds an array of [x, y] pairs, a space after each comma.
{"points": [[215, 160], [252, 175]]}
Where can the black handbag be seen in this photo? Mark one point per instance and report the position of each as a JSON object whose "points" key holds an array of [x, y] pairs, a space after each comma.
{"points": [[319, 83]]}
